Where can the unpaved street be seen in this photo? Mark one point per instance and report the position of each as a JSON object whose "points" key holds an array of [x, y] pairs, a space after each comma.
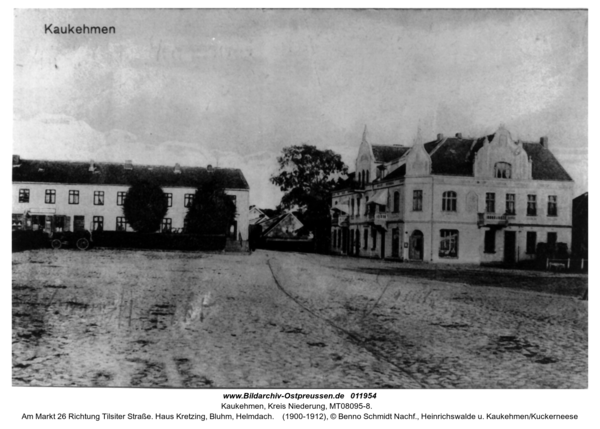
{"points": [[135, 318]]}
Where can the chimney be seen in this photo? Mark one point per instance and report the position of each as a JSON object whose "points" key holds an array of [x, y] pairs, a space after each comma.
{"points": [[544, 142], [459, 135], [177, 169], [209, 168], [16, 160], [440, 136], [92, 166], [128, 165]]}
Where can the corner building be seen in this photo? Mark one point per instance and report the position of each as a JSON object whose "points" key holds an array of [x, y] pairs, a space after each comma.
{"points": [[71, 196], [485, 200]]}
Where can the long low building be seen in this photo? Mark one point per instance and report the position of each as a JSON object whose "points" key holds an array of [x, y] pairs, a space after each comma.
{"points": [[71, 196], [483, 200]]}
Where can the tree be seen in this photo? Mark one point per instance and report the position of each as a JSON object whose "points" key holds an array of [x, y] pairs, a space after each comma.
{"points": [[307, 176], [145, 206], [212, 211]]}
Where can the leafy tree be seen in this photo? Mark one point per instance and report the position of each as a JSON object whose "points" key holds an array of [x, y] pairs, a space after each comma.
{"points": [[145, 206], [212, 211], [307, 176]]}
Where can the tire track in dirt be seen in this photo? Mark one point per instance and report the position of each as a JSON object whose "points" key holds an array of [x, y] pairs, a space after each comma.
{"points": [[356, 339]]}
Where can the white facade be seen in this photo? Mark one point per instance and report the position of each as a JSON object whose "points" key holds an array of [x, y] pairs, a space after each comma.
{"points": [[419, 213], [102, 201]]}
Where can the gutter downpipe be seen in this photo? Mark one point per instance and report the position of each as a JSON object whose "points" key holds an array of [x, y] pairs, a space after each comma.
{"points": [[431, 223]]}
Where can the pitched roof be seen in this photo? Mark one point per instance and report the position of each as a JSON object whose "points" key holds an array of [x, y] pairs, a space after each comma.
{"points": [[454, 157], [545, 165], [388, 153], [115, 174]]}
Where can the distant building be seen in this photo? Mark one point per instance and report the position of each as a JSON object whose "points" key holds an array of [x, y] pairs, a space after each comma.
{"points": [[488, 199], [68, 196], [256, 216], [286, 232], [580, 226]]}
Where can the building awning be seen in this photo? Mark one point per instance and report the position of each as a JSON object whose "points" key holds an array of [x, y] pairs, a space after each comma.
{"points": [[380, 197], [342, 208]]}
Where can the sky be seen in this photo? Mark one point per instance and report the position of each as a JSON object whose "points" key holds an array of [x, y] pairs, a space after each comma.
{"points": [[233, 87]]}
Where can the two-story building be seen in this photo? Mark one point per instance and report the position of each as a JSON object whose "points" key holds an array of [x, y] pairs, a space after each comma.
{"points": [[70, 196], [489, 199]]}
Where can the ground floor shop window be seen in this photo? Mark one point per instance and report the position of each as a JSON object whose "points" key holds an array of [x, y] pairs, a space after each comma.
{"points": [[98, 224], [448, 243], [121, 223], [365, 238]]}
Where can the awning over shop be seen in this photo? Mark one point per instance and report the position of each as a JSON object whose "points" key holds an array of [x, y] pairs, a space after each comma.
{"points": [[380, 197], [342, 208]]}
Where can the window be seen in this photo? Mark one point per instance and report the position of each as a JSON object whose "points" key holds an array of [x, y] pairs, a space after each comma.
{"points": [[188, 200], [531, 205], [396, 202], [417, 200], [358, 206], [373, 238], [339, 241], [366, 206], [169, 198], [166, 225], [121, 223], [23, 195], [490, 241], [98, 224], [503, 170], [98, 198], [233, 199], [333, 237], [448, 243], [490, 202], [73, 197], [352, 207], [365, 238], [449, 201], [50, 196], [552, 209], [121, 198], [531, 242], [510, 204]]}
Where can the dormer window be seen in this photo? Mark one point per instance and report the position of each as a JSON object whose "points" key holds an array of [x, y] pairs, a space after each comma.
{"points": [[503, 170]]}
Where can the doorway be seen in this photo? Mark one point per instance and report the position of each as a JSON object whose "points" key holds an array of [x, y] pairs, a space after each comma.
{"points": [[416, 246], [510, 240], [395, 242]]}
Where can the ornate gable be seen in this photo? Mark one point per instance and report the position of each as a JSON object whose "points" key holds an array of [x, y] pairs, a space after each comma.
{"points": [[418, 161], [502, 158]]}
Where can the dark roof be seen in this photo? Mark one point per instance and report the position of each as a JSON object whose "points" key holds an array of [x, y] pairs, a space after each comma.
{"points": [[545, 165], [396, 174], [454, 157], [388, 153], [116, 174]]}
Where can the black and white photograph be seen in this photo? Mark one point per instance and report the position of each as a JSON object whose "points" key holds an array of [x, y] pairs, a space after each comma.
{"points": [[348, 200]]}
